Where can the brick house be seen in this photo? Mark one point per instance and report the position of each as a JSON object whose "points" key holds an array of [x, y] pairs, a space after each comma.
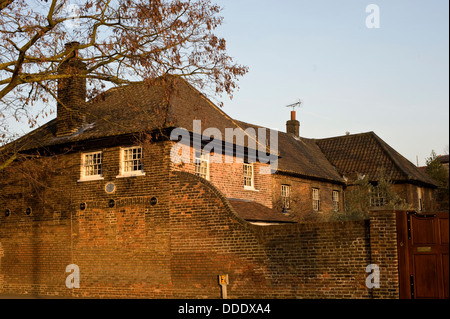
{"points": [[444, 161], [102, 188], [309, 180], [136, 122], [367, 154]]}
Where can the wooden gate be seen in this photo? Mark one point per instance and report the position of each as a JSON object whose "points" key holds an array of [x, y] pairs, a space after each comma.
{"points": [[423, 253]]}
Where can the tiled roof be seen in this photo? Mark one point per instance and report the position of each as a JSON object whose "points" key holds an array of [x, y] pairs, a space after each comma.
{"points": [[172, 102], [301, 156], [255, 212], [443, 159], [137, 108], [368, 154]]}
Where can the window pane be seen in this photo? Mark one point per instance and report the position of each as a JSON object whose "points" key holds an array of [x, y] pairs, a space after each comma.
{"points": [[248, 175], [285, 195], [377, 198], [132, 159], [335, 196], [316, 201], [201, 165], [93, 164]]}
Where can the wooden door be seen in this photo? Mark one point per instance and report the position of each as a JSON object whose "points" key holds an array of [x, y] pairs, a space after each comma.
{"points": [[423, 246]]}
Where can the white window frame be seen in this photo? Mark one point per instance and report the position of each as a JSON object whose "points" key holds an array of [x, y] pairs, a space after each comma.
{"points": [[286, 196], [131, 173], [335, 199], [377, 198], [84, 167], [199, 162], [316, 199], [251, 177], [420, 199]]}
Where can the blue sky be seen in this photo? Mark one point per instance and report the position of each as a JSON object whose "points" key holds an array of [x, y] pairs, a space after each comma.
{"points": [[392, 80]]}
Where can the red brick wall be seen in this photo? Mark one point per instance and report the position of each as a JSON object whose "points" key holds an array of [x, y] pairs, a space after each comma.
{"points": [[301, 197], [410, 193], [35, 254], [228, 177], [137, 250], [383, 244], [175, 248], [106, 243]]}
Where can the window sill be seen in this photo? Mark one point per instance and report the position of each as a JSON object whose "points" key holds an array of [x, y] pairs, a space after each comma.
{"points": [[249, 188], [91, 179], [134, 174]]}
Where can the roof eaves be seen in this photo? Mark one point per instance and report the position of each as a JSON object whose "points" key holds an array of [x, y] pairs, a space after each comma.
{"points": [[395, 161], [312, 177]]}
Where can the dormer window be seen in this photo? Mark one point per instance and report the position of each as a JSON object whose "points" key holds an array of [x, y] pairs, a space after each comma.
{"points": [[91, 166], [131, 162]]}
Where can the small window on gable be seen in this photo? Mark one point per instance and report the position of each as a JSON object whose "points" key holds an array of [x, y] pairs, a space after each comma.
{"points": [[377, 198], [316, 199], [420, 196], [249, 182], [131, 162], [335, 198], [202, 164], [91, 166], [286, 196]]}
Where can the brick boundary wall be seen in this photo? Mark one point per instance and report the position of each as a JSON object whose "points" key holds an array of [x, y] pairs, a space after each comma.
{"points": [[285, 261], [135, 250], [384, 253]]}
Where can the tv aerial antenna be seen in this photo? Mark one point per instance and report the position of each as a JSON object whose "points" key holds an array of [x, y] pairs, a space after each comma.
{"points": [[296, 104]]}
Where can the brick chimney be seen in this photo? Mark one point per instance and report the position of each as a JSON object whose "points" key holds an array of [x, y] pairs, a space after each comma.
{"points": [[293, 126], [71, 93]]}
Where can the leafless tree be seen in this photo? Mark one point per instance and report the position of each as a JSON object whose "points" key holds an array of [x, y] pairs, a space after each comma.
{"points": [[121, 42]]}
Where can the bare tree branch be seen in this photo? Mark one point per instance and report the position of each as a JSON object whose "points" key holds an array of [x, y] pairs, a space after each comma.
{"points": [[138, 39], [121, 42], [5, 3]]}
